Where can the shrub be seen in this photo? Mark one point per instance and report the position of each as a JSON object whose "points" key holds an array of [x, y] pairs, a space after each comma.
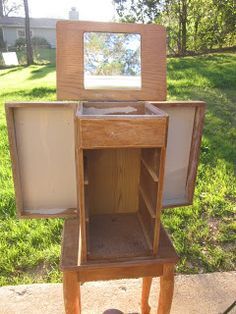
{"points": [[36, 42], [40, 41], [20, 43]]}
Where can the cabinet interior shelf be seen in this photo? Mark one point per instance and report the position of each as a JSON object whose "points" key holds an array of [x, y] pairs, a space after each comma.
{"points": [[151, 210], [150, 170]]}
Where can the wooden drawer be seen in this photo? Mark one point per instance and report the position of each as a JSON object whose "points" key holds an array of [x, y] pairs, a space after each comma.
{"points": [[123, 132]]}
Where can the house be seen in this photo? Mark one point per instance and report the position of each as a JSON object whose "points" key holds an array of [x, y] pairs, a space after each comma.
{"points": [[14, 28]]}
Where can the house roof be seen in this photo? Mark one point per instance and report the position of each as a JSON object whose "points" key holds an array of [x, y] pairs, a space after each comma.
{"points": [[34, 22]]}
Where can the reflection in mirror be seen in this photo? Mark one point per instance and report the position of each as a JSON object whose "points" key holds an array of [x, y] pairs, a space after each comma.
{"points": [[112, 60]]}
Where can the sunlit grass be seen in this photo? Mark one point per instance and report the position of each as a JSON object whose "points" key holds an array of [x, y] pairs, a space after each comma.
{"points": [[203, 234]]}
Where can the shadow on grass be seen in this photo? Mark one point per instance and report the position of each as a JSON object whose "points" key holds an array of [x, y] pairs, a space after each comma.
{"points": [[10, 70], [41, 72], [37, 92], [217, 70], [210, 78]]}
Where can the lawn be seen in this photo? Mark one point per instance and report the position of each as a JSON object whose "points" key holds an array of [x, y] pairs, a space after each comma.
{"points": [[41, 55], [203, 234]]}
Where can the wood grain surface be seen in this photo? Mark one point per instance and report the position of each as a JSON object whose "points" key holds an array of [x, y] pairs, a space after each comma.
{"points": [[70, 61]]}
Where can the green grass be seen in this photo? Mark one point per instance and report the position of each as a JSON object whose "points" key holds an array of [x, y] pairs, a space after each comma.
{"points": [[203, 234], [41, 56]]}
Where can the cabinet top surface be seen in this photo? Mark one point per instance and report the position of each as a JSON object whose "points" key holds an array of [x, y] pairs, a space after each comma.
{"points": [[130, 110]]}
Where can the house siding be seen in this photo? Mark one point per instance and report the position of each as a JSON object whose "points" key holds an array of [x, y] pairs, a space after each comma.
{"points": [[10, 34], [49, 34]]}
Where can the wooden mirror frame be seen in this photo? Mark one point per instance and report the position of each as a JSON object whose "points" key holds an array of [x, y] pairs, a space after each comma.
{"points": [[70, 61]]}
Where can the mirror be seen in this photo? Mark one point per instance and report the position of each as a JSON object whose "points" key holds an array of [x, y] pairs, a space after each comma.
{"points": [[112, 60]]}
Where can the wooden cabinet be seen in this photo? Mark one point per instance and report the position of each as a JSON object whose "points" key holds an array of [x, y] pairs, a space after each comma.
{"points": [[44, 139], [115, 164], [122, 148], [112, 160]]}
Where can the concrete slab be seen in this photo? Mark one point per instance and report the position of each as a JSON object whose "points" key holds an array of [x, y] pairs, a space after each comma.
{"points": [[200, 294]]}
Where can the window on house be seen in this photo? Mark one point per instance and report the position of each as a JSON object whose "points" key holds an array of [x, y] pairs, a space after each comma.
{"points": [[21, 33]]}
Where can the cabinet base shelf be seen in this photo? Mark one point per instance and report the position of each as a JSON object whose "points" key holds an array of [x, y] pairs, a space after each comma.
{"points": [[116, 236]]}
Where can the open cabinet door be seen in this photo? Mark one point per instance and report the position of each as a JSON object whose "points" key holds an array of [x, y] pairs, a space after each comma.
{"points": [[183, 147], [42, 147]]}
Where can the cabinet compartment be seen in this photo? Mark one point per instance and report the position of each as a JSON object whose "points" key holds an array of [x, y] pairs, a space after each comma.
{"points": [[113, 180], [119, 224]]}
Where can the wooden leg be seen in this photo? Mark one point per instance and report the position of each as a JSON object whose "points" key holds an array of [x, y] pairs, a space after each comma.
{"points": [[71, 290], [147, 282], [166, 289]]}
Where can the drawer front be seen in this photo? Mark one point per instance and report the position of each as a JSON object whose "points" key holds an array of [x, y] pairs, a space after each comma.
{"points": [[96, 133]]}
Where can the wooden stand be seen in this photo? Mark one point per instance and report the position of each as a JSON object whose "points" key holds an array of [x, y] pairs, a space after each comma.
{"points": [[75, 272]]}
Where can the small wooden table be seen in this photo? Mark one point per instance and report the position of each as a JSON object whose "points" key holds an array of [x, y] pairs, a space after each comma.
{"points": [[75, 273]]}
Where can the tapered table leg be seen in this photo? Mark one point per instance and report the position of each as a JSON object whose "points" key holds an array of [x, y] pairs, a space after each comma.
{"points": [[71, 290], [166, 289], [146, 286]]}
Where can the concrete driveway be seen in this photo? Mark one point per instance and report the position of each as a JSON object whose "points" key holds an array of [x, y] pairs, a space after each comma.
{"points": [[200, 294]]}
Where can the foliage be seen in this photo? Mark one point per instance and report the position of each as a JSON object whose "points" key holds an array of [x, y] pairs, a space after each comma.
{"points": [[10, 7], [36, 42], [192, 25], [20, 43], [144, 11], [203, 234], [41, 42]]}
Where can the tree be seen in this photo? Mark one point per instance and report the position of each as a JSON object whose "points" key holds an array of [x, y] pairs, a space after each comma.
{"points": [[177, 12], [152, 11], [29, 50], [10, 7], [192, 25], [1, 31], [144, 11], [2, 43], [1, 8]]}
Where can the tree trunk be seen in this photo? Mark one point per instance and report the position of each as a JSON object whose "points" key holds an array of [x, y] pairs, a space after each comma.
{"points": [[179, 44], [195, 36], [29, 51], [2, 44], [184, 27], [1, 8]]}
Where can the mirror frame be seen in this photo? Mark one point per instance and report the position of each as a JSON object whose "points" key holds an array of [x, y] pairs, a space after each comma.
{"points": [[70, 61]]}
